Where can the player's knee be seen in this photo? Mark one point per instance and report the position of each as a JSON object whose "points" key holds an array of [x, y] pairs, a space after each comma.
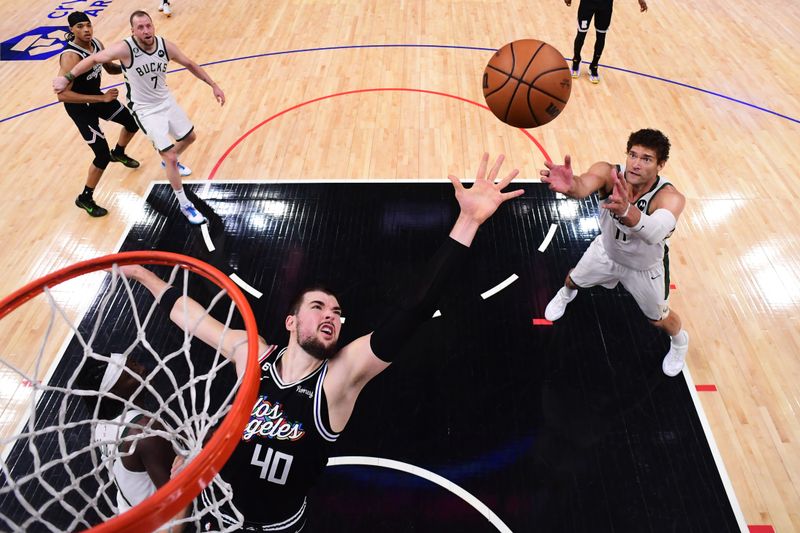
{"points": [[189, 138], [101, 161], [170, 155], [101, 154]]}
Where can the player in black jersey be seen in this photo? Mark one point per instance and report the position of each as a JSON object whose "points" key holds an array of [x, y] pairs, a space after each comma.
{"points": [[85, 103], [601, 11], [309, 388]]}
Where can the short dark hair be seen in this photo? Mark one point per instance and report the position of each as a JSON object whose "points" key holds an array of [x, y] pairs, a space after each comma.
{"points": [[297, 301], [140, 13], [653, 139]]}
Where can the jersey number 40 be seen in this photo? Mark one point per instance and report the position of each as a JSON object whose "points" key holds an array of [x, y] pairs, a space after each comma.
{"points": [[271, 464]]}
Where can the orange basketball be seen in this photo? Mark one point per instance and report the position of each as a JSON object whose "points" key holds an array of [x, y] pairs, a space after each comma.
{"points": [[527, 83]]}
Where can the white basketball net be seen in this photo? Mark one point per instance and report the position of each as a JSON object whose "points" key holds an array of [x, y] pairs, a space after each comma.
{"points": [[58, 473]]}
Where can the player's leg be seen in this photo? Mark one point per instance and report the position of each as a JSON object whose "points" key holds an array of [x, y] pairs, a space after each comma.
{"points": [[593, 268], [88, 124], [585, 14], [115, 112], [182, 130], [156, 127], [650, 289], [602, 22]]}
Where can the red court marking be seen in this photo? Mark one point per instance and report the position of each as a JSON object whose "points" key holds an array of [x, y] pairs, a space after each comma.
{"points": [[672, 286], [315, 100], [541, 322], [706, 388], [761, 529]]}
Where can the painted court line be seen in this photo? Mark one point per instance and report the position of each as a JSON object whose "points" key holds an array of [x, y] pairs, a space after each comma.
{"points": [[712, 444], [245, 286], [549, 237], [207, 237], [491, 292], [425, 474]]}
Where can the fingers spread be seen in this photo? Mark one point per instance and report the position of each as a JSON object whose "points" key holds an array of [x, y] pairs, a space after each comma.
{"points": [[505, 181], [482, 167], [456, 182], [512, 194], [496, 168]]}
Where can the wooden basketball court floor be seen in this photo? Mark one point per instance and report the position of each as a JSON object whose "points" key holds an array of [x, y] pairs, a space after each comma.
{"points": [[365, 91]]}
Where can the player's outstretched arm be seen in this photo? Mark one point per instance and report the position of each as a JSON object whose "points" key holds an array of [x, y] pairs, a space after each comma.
{"points": [[198, 71], [364, 358], [561, 179], [192, 317]]}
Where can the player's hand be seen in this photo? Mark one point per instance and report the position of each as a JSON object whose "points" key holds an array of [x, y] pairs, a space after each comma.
{"points": [[480, 201], [218, 94], [110, 95], [619, 201], [59, 84], [559, 177]]}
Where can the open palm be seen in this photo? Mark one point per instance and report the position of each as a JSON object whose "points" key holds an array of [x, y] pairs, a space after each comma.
{"points": [[559, 177], [480, 201]]}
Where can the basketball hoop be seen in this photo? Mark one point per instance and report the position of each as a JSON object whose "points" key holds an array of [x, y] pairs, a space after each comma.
{"points": [[200, 471]]}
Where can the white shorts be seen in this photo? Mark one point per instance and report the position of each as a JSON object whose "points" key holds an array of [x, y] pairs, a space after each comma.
{"points": [[650, 288], [163, 123]]}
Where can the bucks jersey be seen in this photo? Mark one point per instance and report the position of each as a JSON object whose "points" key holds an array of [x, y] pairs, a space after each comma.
{"points": [[622, 245], [146, 75], [283, 449], [88, 82]]}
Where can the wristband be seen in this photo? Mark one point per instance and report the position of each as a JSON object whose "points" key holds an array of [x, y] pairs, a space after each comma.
{"points": [[69, 76], [623, 215]]}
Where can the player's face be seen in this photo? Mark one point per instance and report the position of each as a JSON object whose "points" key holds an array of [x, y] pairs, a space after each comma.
{"points": [[83, 31], [143, 29], [317, 324], [642, 165]]}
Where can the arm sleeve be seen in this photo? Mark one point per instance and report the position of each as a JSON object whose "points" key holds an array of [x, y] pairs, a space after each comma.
{"points": [[656, 227], [418, 301]]}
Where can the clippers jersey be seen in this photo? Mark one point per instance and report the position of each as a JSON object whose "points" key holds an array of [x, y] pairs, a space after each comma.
{"points": [[146, 76], [628, 249], [284, 447], [88, 82]]}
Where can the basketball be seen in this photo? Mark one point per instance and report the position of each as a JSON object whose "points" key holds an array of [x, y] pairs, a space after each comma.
{"points": [[527, 83]]}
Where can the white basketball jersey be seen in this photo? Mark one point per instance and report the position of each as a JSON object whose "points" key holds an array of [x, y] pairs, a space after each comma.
{"points": [[628, 249], [132, 487], [146, 76]]}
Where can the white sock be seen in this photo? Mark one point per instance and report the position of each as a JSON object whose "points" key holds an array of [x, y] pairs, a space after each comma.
{"points": [[681, 338], [181, 196]]}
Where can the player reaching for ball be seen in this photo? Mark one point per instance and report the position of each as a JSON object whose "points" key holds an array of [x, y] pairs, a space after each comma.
{"points": [[309, 389], [639, 212]]}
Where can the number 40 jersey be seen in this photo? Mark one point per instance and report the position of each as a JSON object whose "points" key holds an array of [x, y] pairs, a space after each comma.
{"points": [[284, 447]]}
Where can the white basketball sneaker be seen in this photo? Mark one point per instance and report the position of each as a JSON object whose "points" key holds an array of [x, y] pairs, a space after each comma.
{"points": [[165, 8], [183, 170], [555, 309], [192, 214], [676, 356]]}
